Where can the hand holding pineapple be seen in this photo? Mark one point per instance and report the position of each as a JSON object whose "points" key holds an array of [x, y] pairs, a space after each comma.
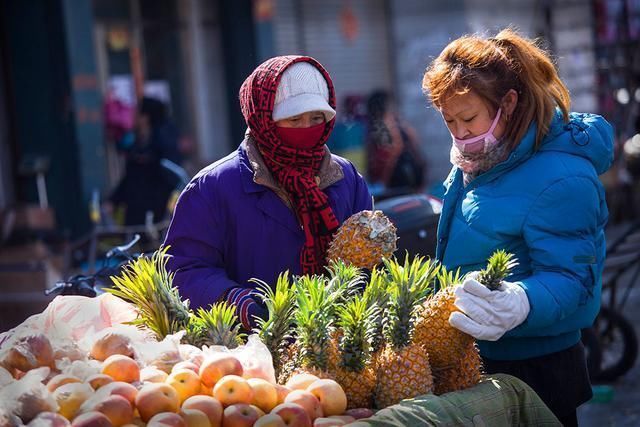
{"points": [[490, 305]]}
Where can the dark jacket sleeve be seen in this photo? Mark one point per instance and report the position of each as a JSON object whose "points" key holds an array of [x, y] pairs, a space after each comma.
{"points": [[196, 237]]}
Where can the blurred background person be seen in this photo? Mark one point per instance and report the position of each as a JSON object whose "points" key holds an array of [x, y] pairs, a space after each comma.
{"points": [[394, 157], [145, 186], [348, 137]]}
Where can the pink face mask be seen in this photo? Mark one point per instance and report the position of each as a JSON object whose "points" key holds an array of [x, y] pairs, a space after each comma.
{"points": [[480, 143]]}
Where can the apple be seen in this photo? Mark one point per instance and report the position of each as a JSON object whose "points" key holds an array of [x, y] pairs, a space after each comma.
{"points": [[195, 418], [154, 398], [185, 365], [292, 414], [116, 408], [121, 368], [207, 404], [61, 379], [185, 381], [331, 396], [91, 419], [215, 367], [109, 344], [300, 381], [166, 419], [29, 352], [150, 374], [123, 389], [308, 401], [359, 413], [232, 389], [270, 420], [70, 398], [282, 392], [265, 395], [241, 415], [98, 380]]}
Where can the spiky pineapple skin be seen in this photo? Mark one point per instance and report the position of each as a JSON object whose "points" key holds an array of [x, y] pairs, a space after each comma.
{"points": [[463, 374], [358, 386], [364, 239], [402, 374], [445, 344]]}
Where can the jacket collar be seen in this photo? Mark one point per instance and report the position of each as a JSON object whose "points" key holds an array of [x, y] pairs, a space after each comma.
{"points": [[256, 176]]}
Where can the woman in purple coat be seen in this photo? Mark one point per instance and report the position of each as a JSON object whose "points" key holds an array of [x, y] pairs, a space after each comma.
{"points": [[274, 203]]}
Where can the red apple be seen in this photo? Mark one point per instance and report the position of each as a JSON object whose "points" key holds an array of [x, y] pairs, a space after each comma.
{"points": [[292, 414]]}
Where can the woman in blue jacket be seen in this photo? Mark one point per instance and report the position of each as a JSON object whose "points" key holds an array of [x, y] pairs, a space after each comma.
{"points": [[273, 204], [524, 179]]}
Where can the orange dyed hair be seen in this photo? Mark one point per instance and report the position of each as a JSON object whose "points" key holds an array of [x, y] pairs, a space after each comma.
{"points": [[490, 68]]}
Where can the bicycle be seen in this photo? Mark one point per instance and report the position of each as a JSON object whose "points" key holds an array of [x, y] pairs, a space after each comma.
{"points": [[94, 284], [611, 343]]}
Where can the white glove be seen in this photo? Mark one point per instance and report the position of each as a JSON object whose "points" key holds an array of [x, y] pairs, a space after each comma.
{"points": [[486, 314]]}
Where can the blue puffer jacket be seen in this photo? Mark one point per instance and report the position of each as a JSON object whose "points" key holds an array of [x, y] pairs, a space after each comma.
{"points": [[546, 206]]}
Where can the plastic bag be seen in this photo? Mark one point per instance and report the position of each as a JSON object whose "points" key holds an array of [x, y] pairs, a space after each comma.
{"points": [[28, 396], [161, 354], [254, 356]]}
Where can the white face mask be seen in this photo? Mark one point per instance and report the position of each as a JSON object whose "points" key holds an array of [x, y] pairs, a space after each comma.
{"points": [[480, 143]]}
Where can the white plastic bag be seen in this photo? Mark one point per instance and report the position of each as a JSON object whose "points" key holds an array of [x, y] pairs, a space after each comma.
{"points": [[254, 356]]}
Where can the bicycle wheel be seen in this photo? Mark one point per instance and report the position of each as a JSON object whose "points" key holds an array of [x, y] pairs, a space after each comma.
{"points": [[618, 342]]}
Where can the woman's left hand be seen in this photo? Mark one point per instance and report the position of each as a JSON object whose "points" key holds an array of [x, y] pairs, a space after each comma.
{"points": [[486, 314]]}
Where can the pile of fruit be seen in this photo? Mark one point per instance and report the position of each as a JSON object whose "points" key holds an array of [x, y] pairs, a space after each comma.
{"points": [[337, 345]]}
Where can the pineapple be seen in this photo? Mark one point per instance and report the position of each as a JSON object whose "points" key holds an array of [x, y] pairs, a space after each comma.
{"points": [[403, 368], [454, 355], [376, 296], [354, 372], [364, 239], [499, 266], [216, 326], [148, 285], [275, 331], [459, 376], [314, 318], [445, 344]]}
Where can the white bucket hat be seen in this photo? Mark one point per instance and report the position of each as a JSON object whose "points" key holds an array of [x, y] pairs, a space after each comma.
{"points": [[302, 88]]}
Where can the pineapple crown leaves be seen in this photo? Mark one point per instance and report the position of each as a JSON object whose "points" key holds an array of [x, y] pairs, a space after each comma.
{"points": [[217, 326], [275, 330], [409, 285], [316, 304], [447, 278], [147, 284], [344, 278], [499, 266], [356, 319], [377, 297]]}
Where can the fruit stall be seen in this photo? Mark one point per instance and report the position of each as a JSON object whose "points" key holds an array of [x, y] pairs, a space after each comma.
{"points": [[366, 344]]}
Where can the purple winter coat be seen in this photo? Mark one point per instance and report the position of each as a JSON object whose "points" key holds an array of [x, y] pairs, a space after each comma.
{"points": [[233, 223]]}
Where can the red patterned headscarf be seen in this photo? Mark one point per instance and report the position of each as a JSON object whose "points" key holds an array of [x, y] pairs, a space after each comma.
{"points": [[295, 169]]}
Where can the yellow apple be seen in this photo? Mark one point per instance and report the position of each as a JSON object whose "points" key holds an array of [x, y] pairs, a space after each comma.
{"points": [[98, 380], [117, 409], [121, 368], [91, 419], [241, 415], [215, 367], [61, 379], [307, 400], [186, 382], [270, 420], [292, 414], [207, 404], [331, 396], [300, 381], [167, 419], [265, 395], [150, 374], [232, 389], [154, 398], [195, 418]]}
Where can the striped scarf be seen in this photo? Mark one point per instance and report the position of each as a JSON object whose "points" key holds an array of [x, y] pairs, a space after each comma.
{"points": [[293, 168]]}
